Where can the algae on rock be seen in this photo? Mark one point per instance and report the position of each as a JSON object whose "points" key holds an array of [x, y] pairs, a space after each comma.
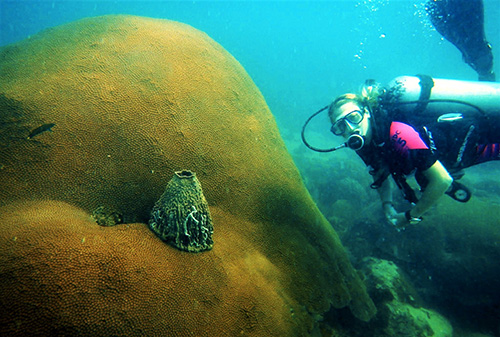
{"points": [[400, 312]]}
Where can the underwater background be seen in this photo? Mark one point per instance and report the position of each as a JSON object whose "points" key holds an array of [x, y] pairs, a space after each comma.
{"points": [[301, 54]]}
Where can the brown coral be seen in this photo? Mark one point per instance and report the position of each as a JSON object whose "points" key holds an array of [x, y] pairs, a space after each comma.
{"points": [[134, 99]]}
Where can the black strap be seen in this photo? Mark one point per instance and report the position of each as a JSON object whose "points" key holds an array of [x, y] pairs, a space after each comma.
{"points": [[426, 85], [408, 192], [380, 180]]}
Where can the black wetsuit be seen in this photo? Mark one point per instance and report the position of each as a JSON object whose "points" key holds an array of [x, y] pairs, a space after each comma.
{"points": [[404, 145]]}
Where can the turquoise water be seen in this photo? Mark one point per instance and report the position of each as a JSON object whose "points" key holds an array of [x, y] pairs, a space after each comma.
{"points": [[301, 55]]}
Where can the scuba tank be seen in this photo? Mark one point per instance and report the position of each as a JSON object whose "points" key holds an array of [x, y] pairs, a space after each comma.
{"points": [[414, 93]]}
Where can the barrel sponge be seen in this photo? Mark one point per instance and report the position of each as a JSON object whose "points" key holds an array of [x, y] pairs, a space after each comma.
{"points": [[181, 216], [132, 101]]}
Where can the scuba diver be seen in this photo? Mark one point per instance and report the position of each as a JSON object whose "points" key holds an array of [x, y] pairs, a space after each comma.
{"points": [[462, 23], [432, 128]]}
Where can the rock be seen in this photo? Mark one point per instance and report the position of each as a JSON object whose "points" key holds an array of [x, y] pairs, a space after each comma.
{"points": [[400, 309]]}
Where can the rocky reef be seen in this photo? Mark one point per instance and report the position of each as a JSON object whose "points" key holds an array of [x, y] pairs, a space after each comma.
{"points": [[401, 311], [96, 117], [451, 257]]}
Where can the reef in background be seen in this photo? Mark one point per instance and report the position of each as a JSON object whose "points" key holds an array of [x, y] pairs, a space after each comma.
{"points": [[451, 257], [130, 100]]}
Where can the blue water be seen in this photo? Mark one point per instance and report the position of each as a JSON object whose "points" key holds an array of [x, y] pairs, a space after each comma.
{"points": [[300, 54]]}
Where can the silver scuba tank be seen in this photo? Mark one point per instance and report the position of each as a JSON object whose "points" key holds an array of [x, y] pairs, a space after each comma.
{"points": [[436, 97]]}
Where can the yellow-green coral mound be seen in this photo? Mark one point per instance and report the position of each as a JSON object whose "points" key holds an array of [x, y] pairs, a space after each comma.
{"points": [[133, 100]]}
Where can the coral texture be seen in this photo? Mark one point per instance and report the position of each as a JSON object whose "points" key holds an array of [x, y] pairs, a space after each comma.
{"points": [[181, 217], [131, 101]]}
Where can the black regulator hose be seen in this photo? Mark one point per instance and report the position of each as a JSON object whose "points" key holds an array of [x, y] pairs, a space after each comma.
{"points": [[304, 137]]}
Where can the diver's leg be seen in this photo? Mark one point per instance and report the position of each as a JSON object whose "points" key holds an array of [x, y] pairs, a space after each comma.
{"points": [[462, 23]]}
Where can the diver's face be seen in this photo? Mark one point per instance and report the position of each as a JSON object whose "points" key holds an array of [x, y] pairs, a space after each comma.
{"points": [[351, 118]]}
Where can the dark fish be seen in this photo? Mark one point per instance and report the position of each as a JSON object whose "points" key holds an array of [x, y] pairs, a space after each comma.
{"points": [[40, 129]]}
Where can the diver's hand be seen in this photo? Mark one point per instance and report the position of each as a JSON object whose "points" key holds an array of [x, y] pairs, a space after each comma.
{"points": [[399, 221], [389, 212]]}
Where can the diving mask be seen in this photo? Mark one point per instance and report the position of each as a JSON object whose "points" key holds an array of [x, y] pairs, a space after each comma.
{"points": [[352, 118], [355, 141]]}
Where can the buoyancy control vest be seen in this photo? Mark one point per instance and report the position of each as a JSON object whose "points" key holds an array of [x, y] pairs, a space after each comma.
{"points": [[471, 106], [447, 103]]}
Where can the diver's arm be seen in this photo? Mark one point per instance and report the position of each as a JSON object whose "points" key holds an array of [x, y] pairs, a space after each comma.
{"points": [[385, 193], [439, 180]]}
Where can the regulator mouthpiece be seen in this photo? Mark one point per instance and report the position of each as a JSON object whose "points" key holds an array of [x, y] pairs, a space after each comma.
{"points": [[355, 142]]}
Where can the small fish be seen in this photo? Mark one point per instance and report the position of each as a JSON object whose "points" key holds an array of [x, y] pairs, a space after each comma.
{"points": [[40, 129]]}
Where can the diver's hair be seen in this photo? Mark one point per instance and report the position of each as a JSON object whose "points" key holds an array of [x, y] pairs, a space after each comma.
{"points": [[371, 92], [368, 98], [343, 99]]}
